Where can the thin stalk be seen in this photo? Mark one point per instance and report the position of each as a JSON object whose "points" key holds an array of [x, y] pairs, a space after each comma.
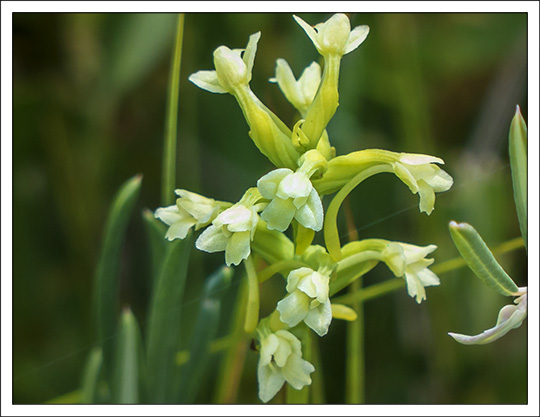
{"points": [[317, 386], [355, 370], [232, 363], [171, 127]]}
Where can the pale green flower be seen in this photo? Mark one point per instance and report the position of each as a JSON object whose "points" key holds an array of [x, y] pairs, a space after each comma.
{"points": [[281, 360], [232, 75], [190, 210], [510, 317], [410, 261], [422, 176], [293, 197], [307, 300], [299, 93], [233, 69], [335, 36], [232, 231]]}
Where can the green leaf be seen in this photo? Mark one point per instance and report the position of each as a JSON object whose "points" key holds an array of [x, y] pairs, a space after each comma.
{"points": [[106, 284], [127, 361], [518, 164], [90, 378], [480, 259], [171, 125], [191, 374], [155, 231], [163, 335]]}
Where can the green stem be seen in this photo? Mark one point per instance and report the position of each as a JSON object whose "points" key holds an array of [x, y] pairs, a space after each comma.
{"points": [[232, 363], [331, 234], [354, 373], [169, 148], [252, 305]]}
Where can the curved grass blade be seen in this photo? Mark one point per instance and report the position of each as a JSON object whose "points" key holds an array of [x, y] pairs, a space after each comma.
{"points": [[205, 330], [106, 284], [518, 164], [163, 332], [127, 361], [88, 392], [480, 259]]}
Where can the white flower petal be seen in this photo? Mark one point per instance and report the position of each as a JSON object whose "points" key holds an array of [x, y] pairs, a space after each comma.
{"points": [[419, 159], [357, 36], [269, 346], [295, 276], [278, 214], [319, 318], [207, 80], [294, 185], [270, 381], [427, 197], [309, 82], [282, 353], [287, 83], [291, 340], [170, 214], [414, 287], [405, 175], [311, 214], [238, 248], [428, 278], [180, 228], [441, 181], [249, 54], [237, 218], [309, 31], [269, 183], [293, 308], [231, 70], [510, 317], [296, 371], [212, 240]]}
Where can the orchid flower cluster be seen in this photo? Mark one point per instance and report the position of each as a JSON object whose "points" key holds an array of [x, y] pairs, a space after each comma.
{"points": [[289, 198]]}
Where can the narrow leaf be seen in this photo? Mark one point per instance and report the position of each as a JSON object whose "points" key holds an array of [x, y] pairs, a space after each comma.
{"points": [[518, 164], [106, 284], [90, 376], [163, 336], [205, 330], [171, 125], [480, 259], [127, 360], [155, 230]]}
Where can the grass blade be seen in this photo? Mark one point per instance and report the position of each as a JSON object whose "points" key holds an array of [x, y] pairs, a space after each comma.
{"points": [[163, 336], [480, 259], [127, 361], [205, 331], [518, 164], [106, 289], [91, 374], [169, 149], [155, 230]]}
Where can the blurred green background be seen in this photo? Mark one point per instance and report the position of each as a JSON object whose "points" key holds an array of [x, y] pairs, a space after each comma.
{"points": [[89, 96]]}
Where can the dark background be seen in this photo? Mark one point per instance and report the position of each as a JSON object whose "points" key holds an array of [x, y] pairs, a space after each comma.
{"points": [[89, 96]]}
